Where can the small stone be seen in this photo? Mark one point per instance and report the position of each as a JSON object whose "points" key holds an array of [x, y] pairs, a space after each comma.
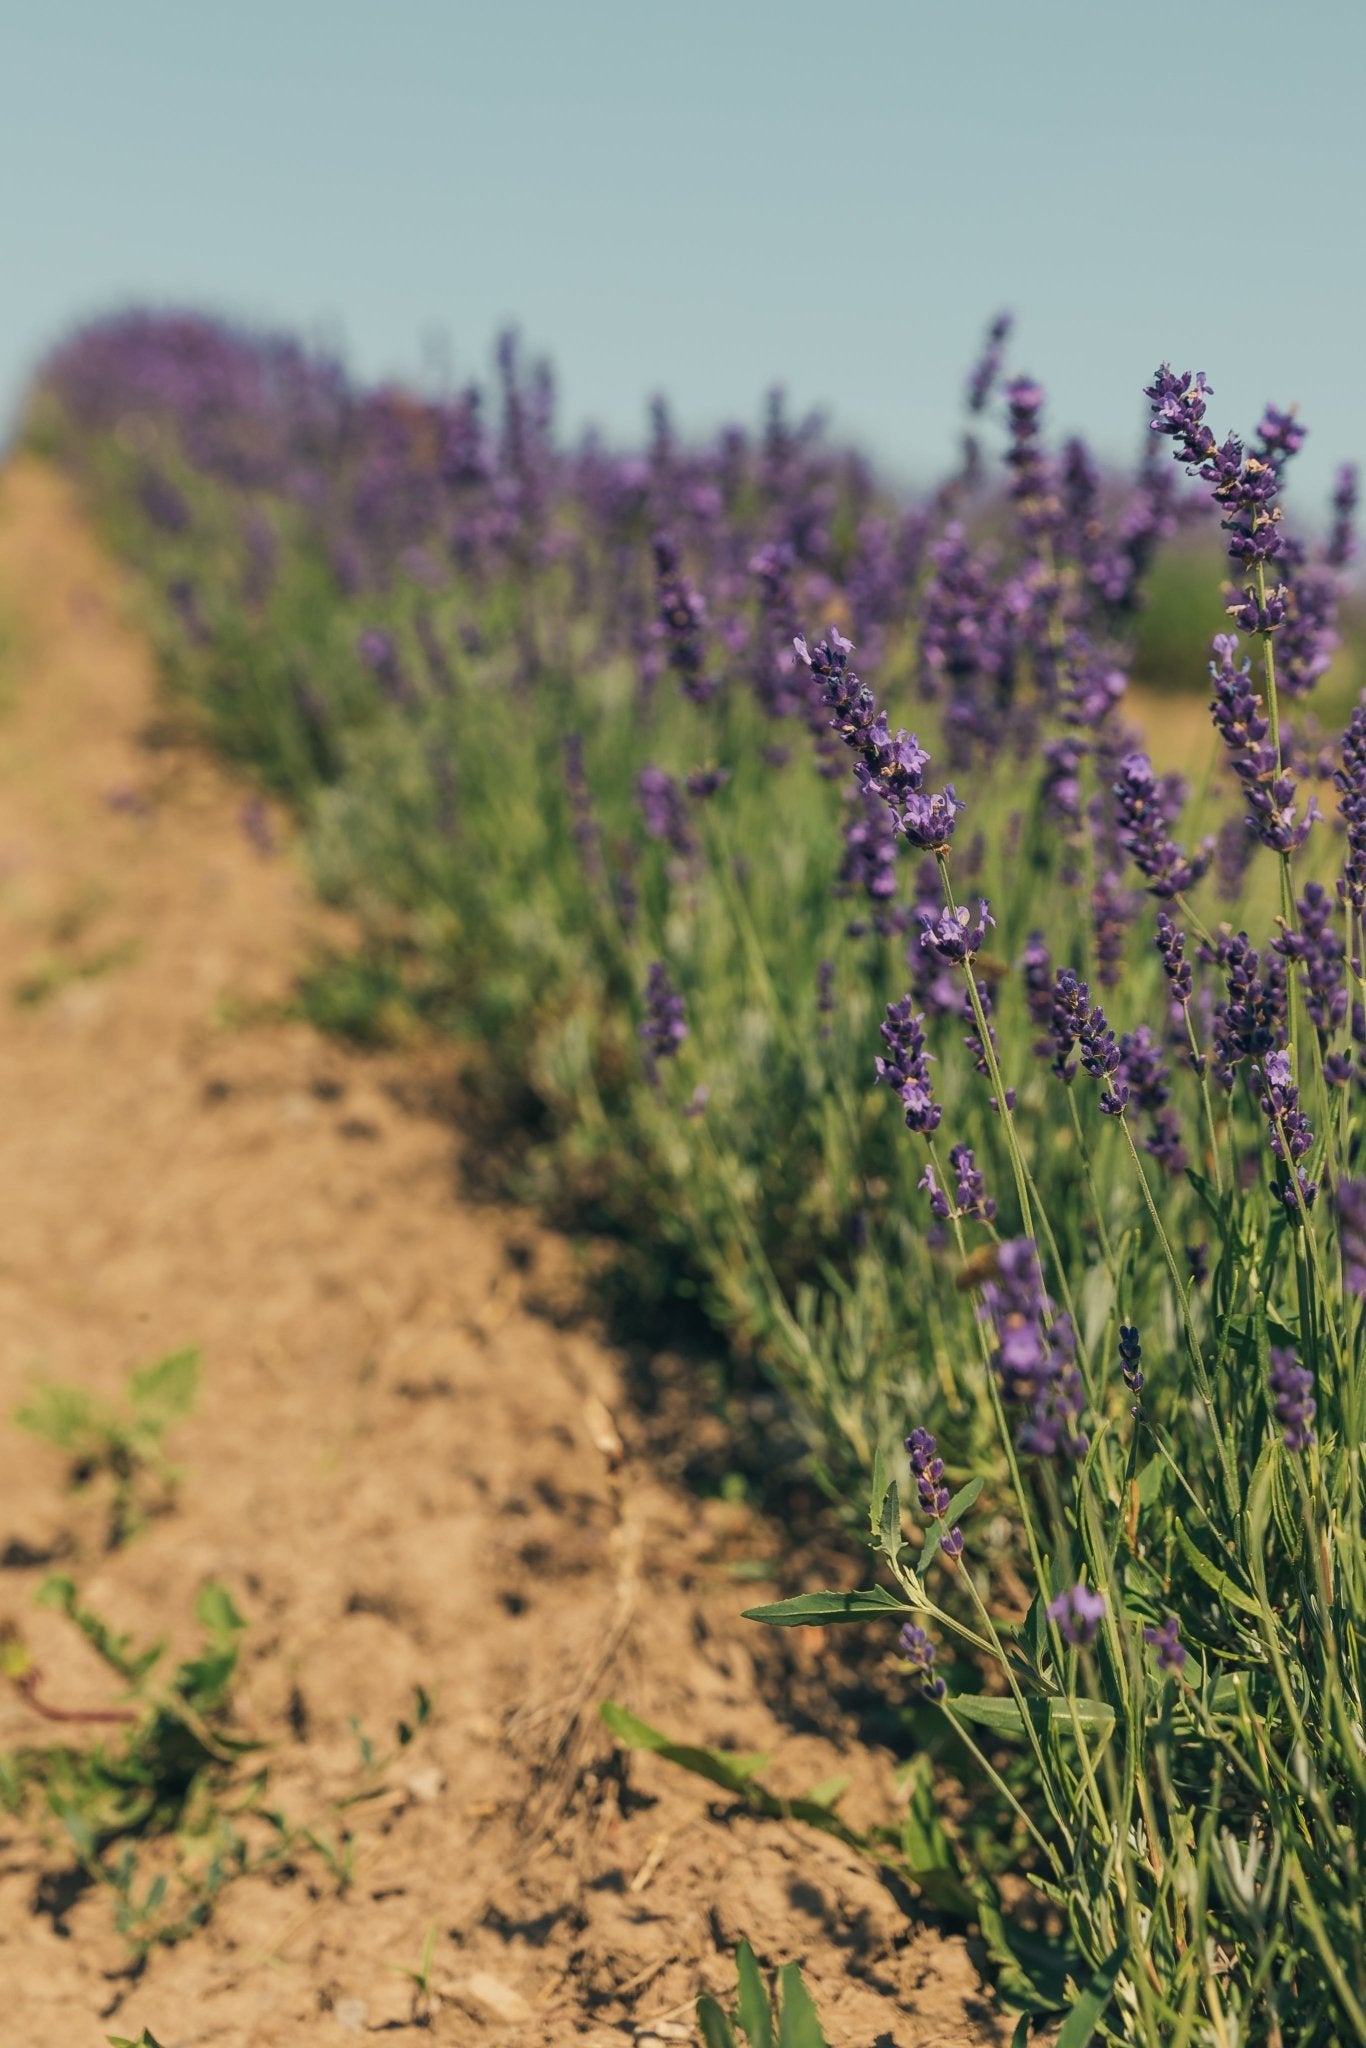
{"points": [[351, 2013], [491, 1998], [425, 1786]]}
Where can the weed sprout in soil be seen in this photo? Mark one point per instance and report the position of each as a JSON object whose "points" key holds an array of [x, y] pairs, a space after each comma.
{"points": [[795, 856]]}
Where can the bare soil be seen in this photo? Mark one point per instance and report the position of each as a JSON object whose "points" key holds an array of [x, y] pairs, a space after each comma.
{"points": [[414, 1461]]}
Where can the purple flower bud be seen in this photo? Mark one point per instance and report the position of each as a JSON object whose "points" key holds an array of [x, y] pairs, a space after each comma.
{"points": [[987, 368], [1292, 1395], [951, 936], [1351, 1207], [1350, 781], [903, 1066], [665, 1024], [1166, 1640], [1078, 1614], [683, 615], [1145, 812], [663, 810], [1290, 1134], [1035, 1355], [916, 1646], [1130, 1355]]}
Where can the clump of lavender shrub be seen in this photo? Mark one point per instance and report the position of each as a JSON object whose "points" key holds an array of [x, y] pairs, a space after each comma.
{"points": [[1003, 1098]]}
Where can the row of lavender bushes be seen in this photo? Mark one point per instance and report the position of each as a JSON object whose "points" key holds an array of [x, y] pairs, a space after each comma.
{"points": [[999, 1094]]}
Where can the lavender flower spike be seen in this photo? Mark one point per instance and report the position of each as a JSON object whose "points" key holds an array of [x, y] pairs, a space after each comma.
{"points": [[1351, 1204], [1292, 1397], [903, 1066], [665, 1025], [1291, 1136], [1166, 1640], [683, 616], [889, 766], [1145, 813], [927, 1469], [1035, 1355], [916, 1645], [952, 936], [1350, 782], [1078, 1613]]}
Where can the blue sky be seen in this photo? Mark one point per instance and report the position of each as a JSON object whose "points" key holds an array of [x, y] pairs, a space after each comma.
{"points": [[709, 198]]}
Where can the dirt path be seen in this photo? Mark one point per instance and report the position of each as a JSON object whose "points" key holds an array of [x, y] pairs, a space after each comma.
{"points": [[403, 1466]]}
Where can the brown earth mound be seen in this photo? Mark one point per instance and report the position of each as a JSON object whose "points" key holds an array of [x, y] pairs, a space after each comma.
{"points": [[407, 1472]]}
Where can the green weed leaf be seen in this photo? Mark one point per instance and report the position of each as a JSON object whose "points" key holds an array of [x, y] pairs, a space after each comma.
{"points": [[1003, 1716], [1086, 2014], [752, 2011], [798, 2023], [715, 2027], [823, 1610], [731, 1771]]}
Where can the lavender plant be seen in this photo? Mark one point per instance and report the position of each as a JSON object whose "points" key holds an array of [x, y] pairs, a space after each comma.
{"points": [[997, 1092]]}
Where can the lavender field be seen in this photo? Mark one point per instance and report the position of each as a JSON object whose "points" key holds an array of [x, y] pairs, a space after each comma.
{"points": [[788, 855]]}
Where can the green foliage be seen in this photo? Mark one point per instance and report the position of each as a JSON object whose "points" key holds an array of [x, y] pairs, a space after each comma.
{"points": [[172, 1776], [174, 1807], [790, 2022], [123, 1443]]}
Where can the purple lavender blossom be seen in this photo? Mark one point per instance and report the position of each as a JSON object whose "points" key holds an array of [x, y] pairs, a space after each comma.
{"points": [[1244, 728], [1244, 485], [1350, 782], [1037, 968], [1342, 546], [1318, 951], [1146, 809], [1031, 483], [1060, 785], [1100, 1057], [1112, 911], [941, 1208], [1171, 946], [869, 863], [970, 1190], [1309, 636], [1351, 1207], [927, 1469], [1292, 1398], [903, 1066], [1252, 1021], [1165, 1638], [891, 767], [663, 811], [1071, 1005], [665, 1025], [951, 936], [987, 368], [1130, 1358], [377, 649], [683, 615], [1289, 1130], [1078, 1614], [1279, 435], [1035, 1355], [916, 1645], [1144, 1074], [586, 830]]}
